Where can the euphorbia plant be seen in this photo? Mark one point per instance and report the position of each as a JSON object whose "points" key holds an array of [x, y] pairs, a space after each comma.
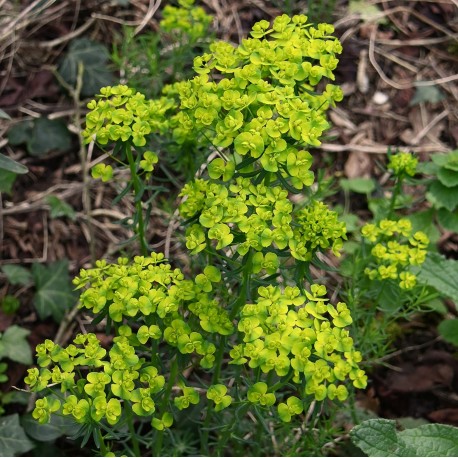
{"points": [[251, 331]]}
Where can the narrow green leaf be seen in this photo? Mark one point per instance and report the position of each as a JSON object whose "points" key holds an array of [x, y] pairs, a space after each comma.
{"points": [[9, 165], [13, 440]]}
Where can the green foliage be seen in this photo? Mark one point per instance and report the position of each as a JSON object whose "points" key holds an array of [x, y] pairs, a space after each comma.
{"points": [[448, 329], [151, 60], [442, 188], [3, 377], [367, 11], [17, 275], [93, 58], [54, 295], [359, 185], [427, 94], [441, 274], [7, 180], [41, 136], [7, 164], [247, 226], [57, 427], [378, 437], [59, 208], [13, 440], [14, 345], [246, 331], [9, 304]]}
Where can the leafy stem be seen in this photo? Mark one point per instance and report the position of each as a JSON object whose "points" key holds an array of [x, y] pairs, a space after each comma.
{"points": [[139, 226], [165, 400]]}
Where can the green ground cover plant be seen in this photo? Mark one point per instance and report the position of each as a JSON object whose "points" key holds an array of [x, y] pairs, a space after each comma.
{"points": [[246, 339]]}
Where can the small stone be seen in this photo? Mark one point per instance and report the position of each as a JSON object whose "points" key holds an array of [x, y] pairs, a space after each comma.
{"points": [[379, 98]]}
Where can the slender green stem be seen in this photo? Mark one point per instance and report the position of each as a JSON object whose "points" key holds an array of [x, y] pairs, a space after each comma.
{"points": [[140, 226], [283, 382], [165, 399], [394, 196], [130, 424], [244, 290], [209, 409], [241, 300]]}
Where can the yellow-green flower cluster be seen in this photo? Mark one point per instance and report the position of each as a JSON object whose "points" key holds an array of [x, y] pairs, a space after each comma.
{"points": [[263, 101], [186, 19], [395, 248], [403, 164], [285, 331], [112, 378], [151, 292], [154, 300], [258, 217], [122, 114]]}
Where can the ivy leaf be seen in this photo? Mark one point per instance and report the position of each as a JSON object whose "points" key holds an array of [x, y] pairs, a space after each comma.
{"points": [[359, 185], [442, 196], [94, 57], [14, 345], [54, 292], [17, 275], [448, 329], [431, 94], [20, 133], [41, 136], [13, 440], [57, 427], [441, 274], [48, 135], [378, 437], [59, 208]]}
